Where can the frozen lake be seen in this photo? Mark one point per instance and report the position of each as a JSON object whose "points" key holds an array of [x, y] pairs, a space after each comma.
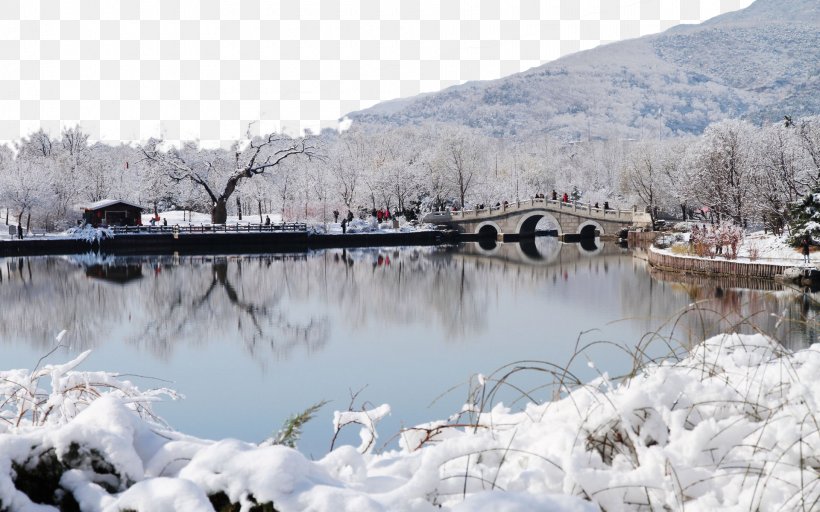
{"points": [[250, 340]]}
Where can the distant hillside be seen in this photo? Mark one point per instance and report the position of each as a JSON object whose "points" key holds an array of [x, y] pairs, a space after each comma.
{"points": [[758, 63]]}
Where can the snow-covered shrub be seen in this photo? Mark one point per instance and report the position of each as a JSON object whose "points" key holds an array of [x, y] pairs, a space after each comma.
{"points": [[89, 233], [25, 402], [701, 243], [754, 251], [732, 236], [681, 227], [709, 241], [367, 225]]}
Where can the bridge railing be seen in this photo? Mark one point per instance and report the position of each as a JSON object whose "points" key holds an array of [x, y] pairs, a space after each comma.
{"points": [[551, 204]]}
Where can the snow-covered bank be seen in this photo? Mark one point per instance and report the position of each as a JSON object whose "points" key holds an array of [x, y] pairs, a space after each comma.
{"points": [[755, 247], [734, 425], [185, 218]]}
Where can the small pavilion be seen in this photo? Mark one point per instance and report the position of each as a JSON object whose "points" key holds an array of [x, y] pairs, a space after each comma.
{"points": [[113, 212]]}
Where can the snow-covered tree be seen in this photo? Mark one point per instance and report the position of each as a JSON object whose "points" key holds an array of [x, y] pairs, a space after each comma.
{"points": [[404, 170], [24, 187], [725, 170], [809, 133], [805, 218], [218, 174], [643, 176], [347, 157], [461, 158], [780, 179]]}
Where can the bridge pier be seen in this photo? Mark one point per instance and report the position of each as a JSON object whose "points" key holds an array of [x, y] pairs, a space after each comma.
{"points": [[508, 237], [577, 237]]}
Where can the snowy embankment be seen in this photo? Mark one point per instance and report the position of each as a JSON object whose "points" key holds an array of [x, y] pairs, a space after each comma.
{"points": [[732, 426], [756, 247]]}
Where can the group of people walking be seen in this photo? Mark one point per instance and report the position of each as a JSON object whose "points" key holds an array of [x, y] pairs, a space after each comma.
{"points": [[381, 215], [347, 219]]}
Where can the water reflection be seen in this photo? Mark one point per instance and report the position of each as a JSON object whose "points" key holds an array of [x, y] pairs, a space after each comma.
{"points": [[115, 273], [289, 330], [184, 300], [732, 304], [274, 304], [487, 245], [590, 245]]}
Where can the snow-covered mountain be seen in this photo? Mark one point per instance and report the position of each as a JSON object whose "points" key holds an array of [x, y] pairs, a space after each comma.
{"points": [[760, 63]]}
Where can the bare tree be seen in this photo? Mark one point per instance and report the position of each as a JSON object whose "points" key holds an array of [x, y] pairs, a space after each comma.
{"points": [[24, 185], [725, 173], [212, 171], [809, 131], [642, 177], [780, 179], [38, 144], [460, 156], [348, 163]]}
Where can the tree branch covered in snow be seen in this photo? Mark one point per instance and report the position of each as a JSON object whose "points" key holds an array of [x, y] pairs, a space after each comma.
{"points": [[24, 402]]}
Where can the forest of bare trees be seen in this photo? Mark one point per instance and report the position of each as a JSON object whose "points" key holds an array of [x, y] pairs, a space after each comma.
{"points": [[734, 170]]}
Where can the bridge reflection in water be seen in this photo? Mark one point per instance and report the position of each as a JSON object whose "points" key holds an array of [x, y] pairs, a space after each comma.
{"points": [[542, 250]]}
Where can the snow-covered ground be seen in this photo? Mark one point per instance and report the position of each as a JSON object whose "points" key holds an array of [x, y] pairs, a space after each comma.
{"points": [[732, 426], [757, 247], [368, 225]]}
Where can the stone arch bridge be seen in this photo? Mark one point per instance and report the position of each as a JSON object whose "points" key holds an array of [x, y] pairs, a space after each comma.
{"points": [[519, 219]]}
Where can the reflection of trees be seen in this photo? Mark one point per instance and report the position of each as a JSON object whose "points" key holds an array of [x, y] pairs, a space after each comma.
{"points": [[406, 287], [225, 298], [728, 304], [42, 296], [275, 304], [200, 300]]}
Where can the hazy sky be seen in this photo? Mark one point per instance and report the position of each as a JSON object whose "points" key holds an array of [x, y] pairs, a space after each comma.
{"points": [[127, 70]]}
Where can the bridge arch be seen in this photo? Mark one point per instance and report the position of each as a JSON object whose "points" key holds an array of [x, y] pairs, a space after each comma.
{"points": [[590, 246], [486, 227], [589, 227], [528, 221], [487, 247], [542, 250]]}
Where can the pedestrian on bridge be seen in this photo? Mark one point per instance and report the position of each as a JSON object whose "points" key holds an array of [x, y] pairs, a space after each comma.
{"points": [[565, 199], [554, 195]]}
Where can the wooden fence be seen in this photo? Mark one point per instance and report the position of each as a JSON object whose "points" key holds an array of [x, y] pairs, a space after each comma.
{"points": [[718, 267]]}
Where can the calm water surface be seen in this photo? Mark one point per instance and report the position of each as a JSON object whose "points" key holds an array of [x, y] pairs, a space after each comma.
{"points": [[251, 339]]}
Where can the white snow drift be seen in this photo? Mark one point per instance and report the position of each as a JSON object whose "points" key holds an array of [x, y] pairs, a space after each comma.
{"points": [[733, 426]]}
